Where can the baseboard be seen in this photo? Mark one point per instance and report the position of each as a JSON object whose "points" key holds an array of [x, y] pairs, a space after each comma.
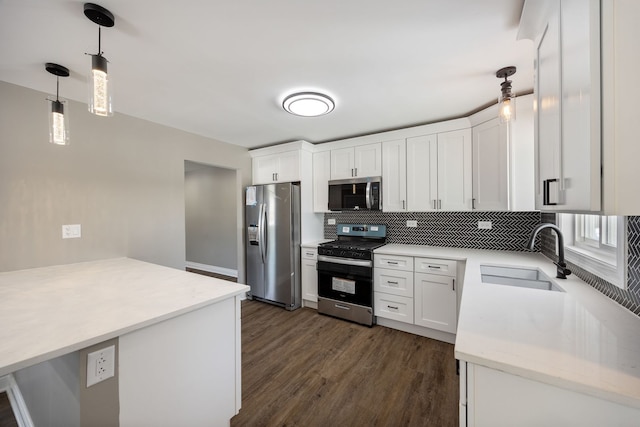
{"points": [[212, 269], [417, 330]]}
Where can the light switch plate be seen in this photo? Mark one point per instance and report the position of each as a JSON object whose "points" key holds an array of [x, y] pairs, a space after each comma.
{"points": [[412, 223], [484, 225], [331, 221]]}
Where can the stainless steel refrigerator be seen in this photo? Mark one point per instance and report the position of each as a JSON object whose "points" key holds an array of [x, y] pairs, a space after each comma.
{"points": [[272, 221]]}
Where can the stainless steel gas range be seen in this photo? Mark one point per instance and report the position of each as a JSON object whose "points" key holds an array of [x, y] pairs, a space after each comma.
{"points": [[345, 272]]}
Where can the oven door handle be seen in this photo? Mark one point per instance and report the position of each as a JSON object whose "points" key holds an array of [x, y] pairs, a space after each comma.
{"points": [[345, 261]]}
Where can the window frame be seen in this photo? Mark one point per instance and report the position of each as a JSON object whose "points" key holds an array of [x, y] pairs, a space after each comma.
{"points": [[607, 263]]}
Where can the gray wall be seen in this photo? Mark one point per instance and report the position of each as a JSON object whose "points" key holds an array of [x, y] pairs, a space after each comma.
{"points": [[121, 178], [211, 210]]}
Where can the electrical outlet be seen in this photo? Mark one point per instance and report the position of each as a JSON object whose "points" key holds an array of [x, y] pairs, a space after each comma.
{"points": [[331, 221], [71, 231], [484, 225], [411, 223], [101, 365]]}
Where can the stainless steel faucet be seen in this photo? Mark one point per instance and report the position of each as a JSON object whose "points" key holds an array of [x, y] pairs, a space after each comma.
{"points": [[562, 271]]}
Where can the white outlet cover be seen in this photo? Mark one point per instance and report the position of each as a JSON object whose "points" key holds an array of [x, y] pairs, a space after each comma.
{"points": [[331, 221], [412, 223], [484, 225], [101, 365], [71, 231]]}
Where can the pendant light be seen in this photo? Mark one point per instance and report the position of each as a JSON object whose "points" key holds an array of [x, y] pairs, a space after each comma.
{"points": [[100, 83], [507, 99], [58, 119]]}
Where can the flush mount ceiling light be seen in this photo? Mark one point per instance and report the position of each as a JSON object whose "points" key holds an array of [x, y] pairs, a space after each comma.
{"points": [[100, 84], [507, 99], [58, 120], [308, 104]]}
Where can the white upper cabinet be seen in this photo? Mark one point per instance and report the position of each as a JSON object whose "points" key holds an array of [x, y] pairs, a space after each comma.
{"points": [[360, 161], [439, 171], [422, 173], [280, 167], [490, 166], [394, 176], [567, 86], [321, 176]]}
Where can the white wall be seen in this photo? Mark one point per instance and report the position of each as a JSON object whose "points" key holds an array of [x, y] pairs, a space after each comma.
{"points": [[211, 211], [121, 178]]}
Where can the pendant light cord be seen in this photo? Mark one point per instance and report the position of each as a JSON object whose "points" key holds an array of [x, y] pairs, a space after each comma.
{"points": [[99, 40]]}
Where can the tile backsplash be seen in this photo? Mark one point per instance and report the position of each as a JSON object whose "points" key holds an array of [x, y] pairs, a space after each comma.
{"points": [[509, 231]]}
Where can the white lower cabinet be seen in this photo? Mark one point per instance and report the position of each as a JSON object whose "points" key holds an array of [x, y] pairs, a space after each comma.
{"points": [[489, 397], [309, 277], [419, 292]]}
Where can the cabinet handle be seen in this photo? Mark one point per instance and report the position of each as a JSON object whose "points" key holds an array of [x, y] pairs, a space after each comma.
{"points": [[392, 307], [439, 204], [389, 282], [473, 203], [454, 284], [434, 266], [545, 191], [434, 203], [310, 254], [277, 177], [352, 173], [403, 205], [356, 172], [392, 262]]}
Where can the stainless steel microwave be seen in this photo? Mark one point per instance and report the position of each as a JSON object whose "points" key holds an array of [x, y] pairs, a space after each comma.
{"points": [[355, 194]]}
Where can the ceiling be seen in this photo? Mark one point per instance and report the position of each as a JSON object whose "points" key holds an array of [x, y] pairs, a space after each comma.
{"points": [[221, 69]]}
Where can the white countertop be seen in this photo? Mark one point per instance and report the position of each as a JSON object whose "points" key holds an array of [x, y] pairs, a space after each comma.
{"points": [[579, 339], [50, 311]]}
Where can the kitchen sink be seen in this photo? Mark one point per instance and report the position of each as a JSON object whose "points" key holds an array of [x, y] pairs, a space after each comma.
{"points": [[518, 276]]}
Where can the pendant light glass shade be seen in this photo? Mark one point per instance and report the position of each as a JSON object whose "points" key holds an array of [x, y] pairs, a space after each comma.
{"points": [[58, 121], [507, 108], [58, 114], [100, 87]]}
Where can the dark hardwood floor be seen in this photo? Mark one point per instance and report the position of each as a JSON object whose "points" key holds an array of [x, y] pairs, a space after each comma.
{"points": [[7, 418], [301, 368]]}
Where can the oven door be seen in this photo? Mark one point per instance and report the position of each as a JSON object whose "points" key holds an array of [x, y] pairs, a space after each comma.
{"points": [[345, 279]]}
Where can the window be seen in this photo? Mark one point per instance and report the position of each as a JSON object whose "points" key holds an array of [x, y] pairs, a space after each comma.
{"points": [[597, 244]]}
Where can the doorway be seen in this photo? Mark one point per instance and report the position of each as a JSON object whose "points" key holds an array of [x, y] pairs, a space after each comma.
{"points": [[211, 219]]}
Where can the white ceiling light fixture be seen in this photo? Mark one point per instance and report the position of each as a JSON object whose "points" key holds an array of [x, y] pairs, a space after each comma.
{"points": [[308, 104]]}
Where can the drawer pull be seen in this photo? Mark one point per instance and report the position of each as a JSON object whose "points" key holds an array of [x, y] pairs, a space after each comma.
{"points": [[437, 267], [392, 307], [310, 254], [389, 282], [392, 262]]}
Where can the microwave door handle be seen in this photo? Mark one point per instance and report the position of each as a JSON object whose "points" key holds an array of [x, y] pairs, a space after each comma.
{"points": [[368, 195]]}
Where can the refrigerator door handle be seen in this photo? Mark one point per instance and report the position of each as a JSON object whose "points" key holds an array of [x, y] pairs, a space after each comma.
{"points": [[368, 195], [263, 232]]}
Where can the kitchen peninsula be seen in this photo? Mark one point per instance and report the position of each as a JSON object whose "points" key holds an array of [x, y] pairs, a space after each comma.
{"points": [[177, 335]]}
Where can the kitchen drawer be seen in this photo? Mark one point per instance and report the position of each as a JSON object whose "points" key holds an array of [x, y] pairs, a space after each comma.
{"points": [[393, 307], [396, 282], [442, 267], [309, 253], [393, 262]]}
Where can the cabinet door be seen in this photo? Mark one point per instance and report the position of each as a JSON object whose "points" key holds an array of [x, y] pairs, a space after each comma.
{"points": [[435, 302], [368, 160], [422, 170], [265, 169], [454, 170], [580, 65], [342, 163], [309, 279], [288, 166], [321, 176], [490, 156], [547, 128], [394, 176]]}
